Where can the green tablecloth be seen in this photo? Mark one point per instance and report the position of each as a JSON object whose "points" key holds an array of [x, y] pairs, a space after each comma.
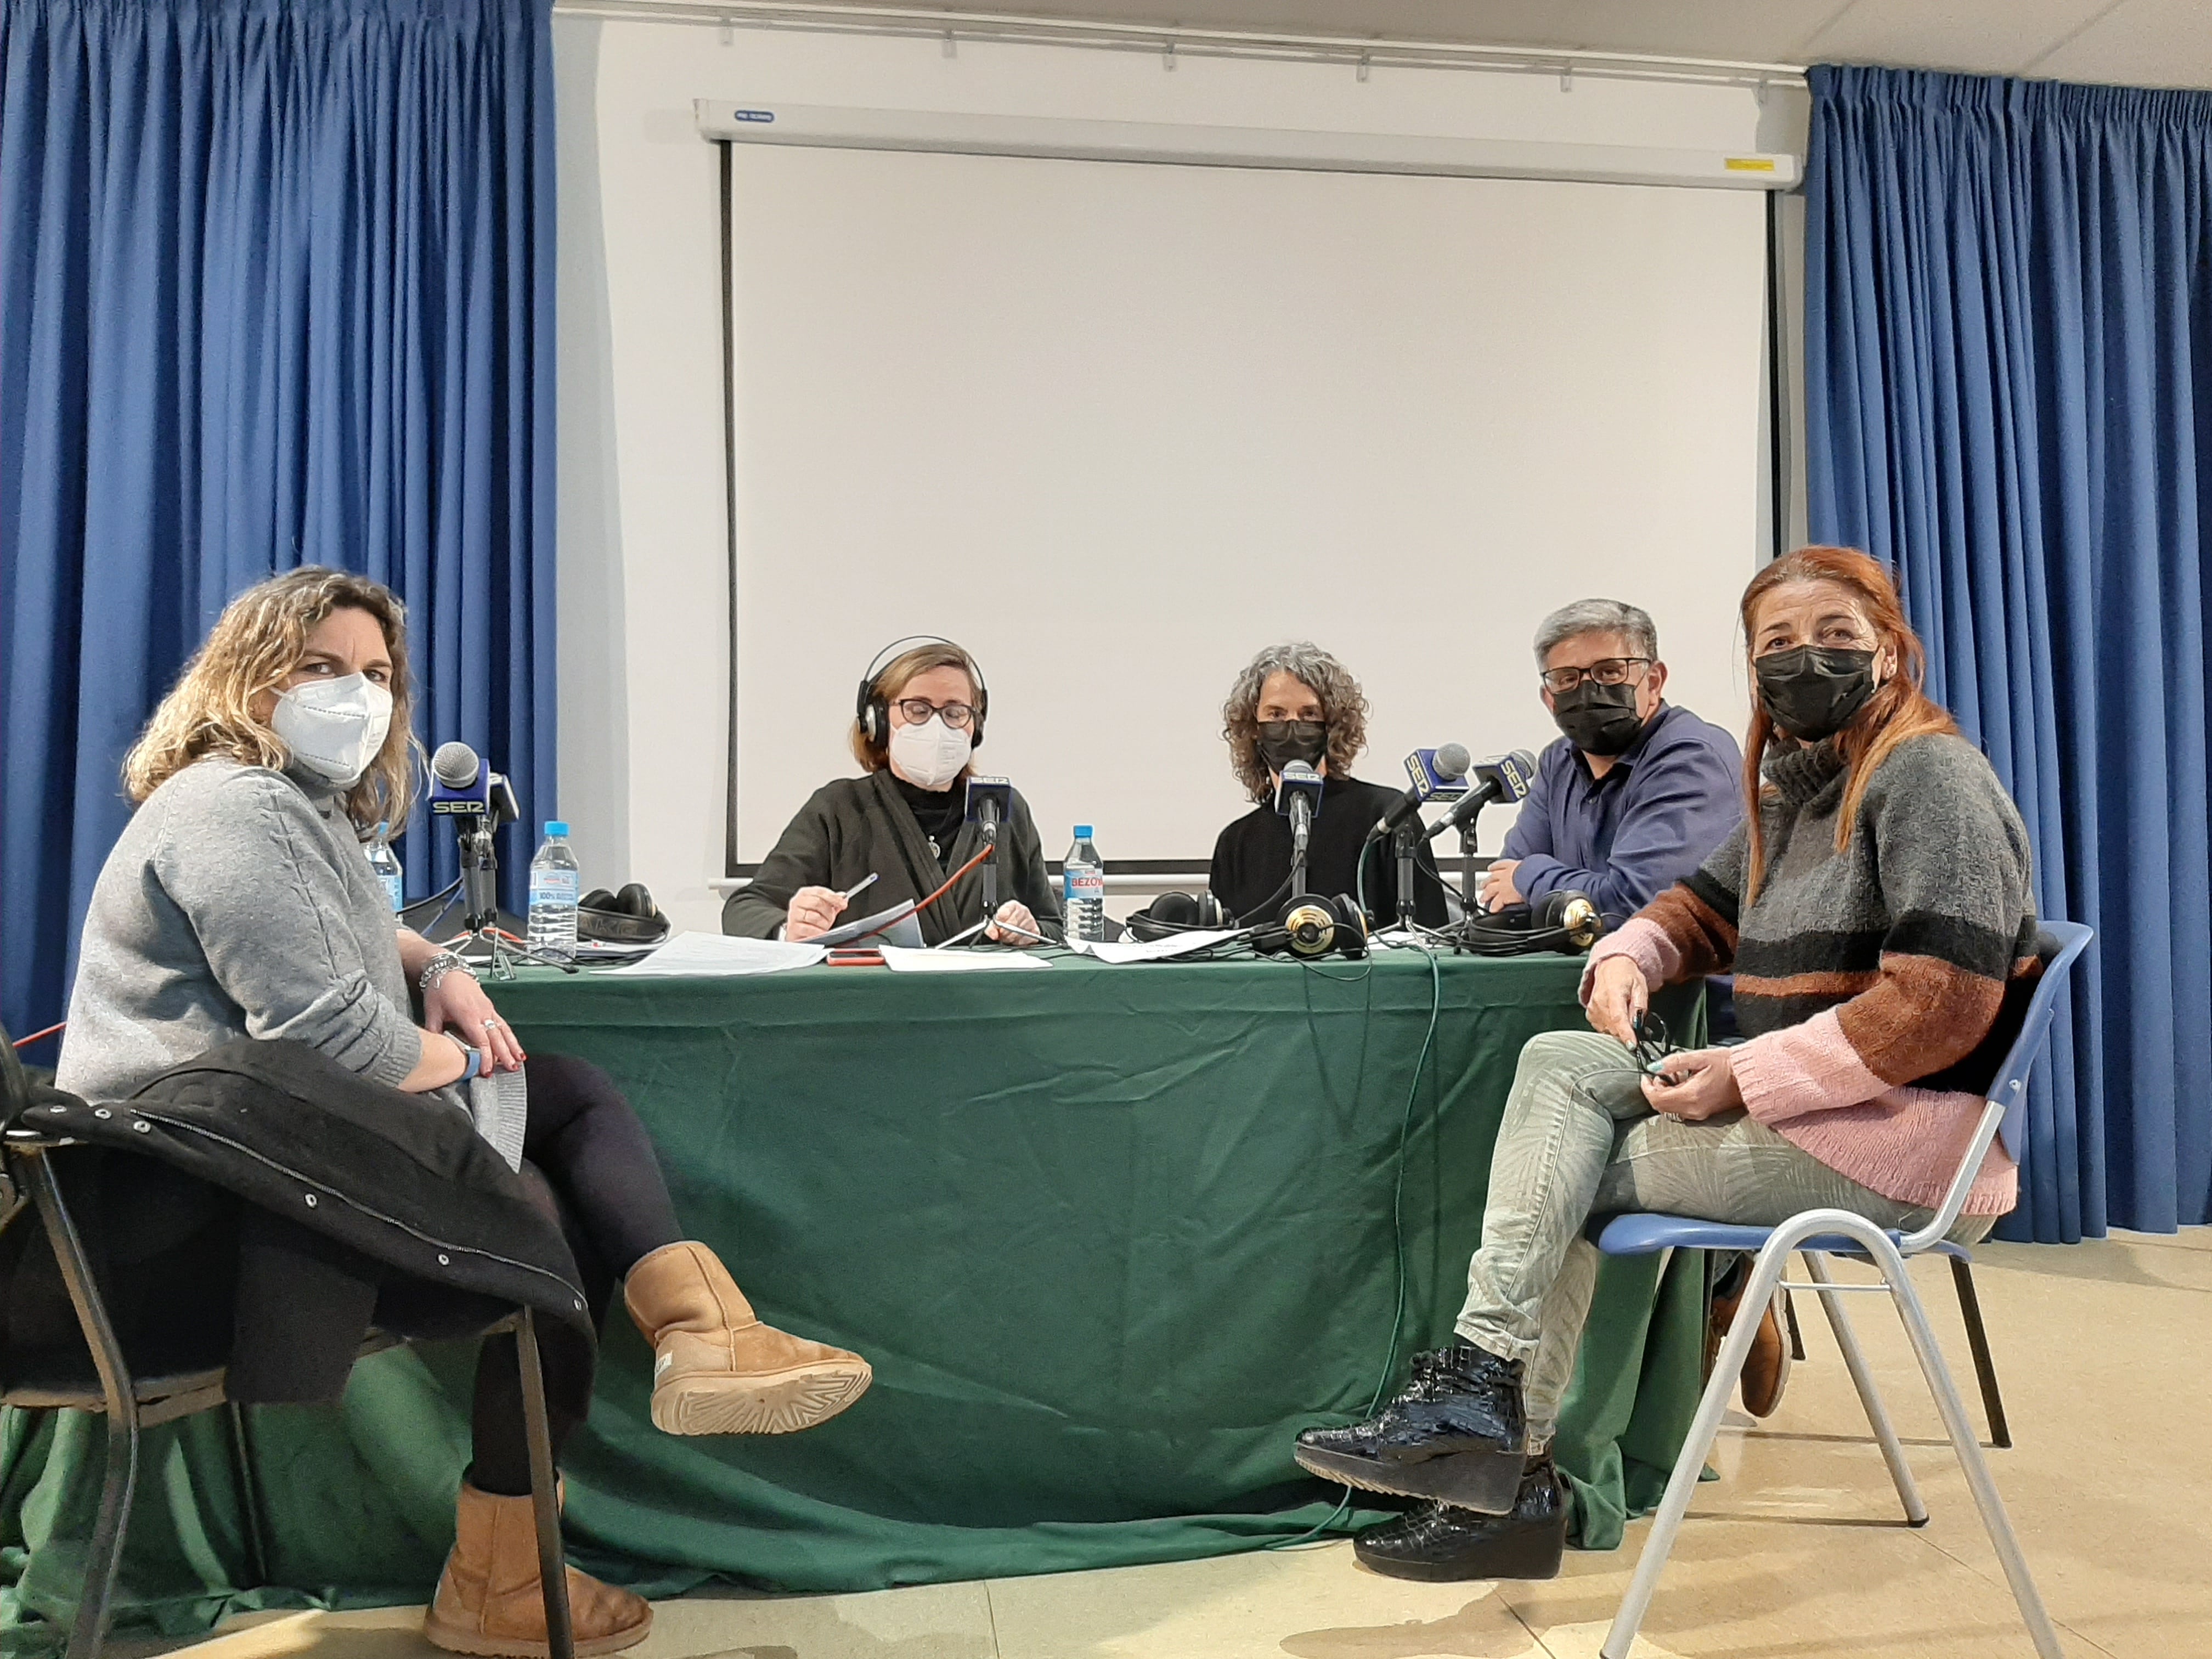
{"points": [[1110, 1236]]}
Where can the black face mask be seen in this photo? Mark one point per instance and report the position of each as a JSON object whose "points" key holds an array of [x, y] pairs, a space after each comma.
{"points": [[1812, 692], [1282, 741], [1598, 720]]}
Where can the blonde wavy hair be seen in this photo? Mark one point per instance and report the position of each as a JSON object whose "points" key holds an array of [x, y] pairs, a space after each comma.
{"points": [[1343, 705], [258, 639]]}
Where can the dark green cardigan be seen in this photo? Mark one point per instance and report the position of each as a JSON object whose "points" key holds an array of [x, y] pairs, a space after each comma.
{"points": [[857, 826]]}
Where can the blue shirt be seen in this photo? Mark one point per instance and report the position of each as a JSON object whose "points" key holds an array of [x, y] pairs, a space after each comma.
{"points": [[1625, 838]]}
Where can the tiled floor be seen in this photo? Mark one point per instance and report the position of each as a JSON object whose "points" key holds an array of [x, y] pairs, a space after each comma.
{"points": [[2106, 1353]]}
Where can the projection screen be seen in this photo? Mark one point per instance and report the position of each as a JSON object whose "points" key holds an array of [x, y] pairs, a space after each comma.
{"points": [[1115, 427]]}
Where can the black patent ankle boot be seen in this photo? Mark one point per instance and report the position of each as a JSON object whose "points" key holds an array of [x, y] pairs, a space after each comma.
{"points": [[1439, 1544], [1455, 1434]]}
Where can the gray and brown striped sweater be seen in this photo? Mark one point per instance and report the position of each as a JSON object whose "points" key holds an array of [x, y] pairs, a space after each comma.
{"points": [[1879, 986]]}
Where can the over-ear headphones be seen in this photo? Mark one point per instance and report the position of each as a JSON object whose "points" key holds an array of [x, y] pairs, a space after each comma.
{"points": [[1565, 919], [630, 917], [873, 712], [1178, 913], [1316, 926]]}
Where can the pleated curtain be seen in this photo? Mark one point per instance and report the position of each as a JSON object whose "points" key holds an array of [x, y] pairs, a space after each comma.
{"points": [[276, 287], [2009, 381]]}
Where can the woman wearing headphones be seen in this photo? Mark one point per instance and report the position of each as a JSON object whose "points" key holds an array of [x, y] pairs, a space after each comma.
{"points": [[919, 721], [238, 902]]}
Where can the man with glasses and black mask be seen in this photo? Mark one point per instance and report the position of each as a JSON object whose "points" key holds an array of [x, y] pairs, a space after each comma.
{"points": [[1637, 792]]}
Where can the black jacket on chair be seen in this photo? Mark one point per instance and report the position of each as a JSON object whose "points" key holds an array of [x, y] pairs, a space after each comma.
{"points": [[266, 1165]]}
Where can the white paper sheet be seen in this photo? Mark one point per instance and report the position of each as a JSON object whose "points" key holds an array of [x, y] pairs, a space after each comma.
{"points": [[957, 962], [1159, 950], [718, 955]]}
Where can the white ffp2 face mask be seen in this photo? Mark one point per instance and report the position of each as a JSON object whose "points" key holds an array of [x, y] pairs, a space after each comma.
{"points": [[931, 755], [335, 728]]}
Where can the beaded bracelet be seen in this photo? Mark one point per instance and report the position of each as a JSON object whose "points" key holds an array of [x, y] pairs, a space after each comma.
{"points": [[436, 970]]}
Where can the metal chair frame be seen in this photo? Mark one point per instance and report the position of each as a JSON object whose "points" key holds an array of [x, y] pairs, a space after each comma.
{"points": [[1817, 1234], [133, 1405]]}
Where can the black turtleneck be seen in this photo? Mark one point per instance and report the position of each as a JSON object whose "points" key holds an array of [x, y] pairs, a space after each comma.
{"points": [[940, 812], [1251, 871]]}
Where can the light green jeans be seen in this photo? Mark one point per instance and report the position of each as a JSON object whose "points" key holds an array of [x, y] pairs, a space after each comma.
{"points": [[1578, 1141]]}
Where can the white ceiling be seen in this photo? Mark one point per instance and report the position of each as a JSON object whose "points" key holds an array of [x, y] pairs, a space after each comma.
{"points": [[2165, 42]]}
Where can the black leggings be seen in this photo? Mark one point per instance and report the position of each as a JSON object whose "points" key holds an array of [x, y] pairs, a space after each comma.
{"points": [[597, 1174]]}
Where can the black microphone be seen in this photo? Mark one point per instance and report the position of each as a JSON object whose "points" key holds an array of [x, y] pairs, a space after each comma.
{"points": [[1450, 762], [990, 802], [1502, 778]]}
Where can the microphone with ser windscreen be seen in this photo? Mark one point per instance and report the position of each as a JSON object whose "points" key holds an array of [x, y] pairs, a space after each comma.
{"points": [[1297, 798], [1501, 778], [1447, 763]]}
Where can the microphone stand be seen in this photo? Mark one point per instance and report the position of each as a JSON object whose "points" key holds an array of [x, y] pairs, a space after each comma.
{"points": [[990, 864], [1467, 895], [1300, 835], [480, 897], [1407, 837]]}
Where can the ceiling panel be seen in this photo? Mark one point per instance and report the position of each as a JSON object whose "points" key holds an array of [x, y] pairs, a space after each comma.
{"points": [[2142, 43], [1965, 35]]}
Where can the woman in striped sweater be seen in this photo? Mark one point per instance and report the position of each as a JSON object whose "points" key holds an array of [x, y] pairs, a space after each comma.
{"points": [[1876, 908]]}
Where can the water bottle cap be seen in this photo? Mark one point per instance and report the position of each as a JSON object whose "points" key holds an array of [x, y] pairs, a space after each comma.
{"points": [[1083, 832], [383, 826], [554, 827]]}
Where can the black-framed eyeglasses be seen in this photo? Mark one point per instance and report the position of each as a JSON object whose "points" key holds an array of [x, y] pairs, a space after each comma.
{"points": [[1652, 1046], [957, 716], [1605, 670]]}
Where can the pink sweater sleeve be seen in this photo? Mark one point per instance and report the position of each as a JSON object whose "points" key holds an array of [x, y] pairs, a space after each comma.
{"points": [[1800, 1070], [1645, 942]]}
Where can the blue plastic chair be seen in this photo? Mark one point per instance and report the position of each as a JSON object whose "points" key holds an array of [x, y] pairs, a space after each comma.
{"points": [[1820, 1233]]}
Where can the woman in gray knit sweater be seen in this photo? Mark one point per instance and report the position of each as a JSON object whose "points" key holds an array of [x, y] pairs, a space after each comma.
{"points": [[238, 902], [1876, 908]]}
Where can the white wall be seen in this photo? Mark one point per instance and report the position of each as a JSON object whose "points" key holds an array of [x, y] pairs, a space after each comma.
{"points": [[642, 594]]}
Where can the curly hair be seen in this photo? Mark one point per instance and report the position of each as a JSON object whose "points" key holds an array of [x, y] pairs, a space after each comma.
{"points": [[258, 641], [1343, 705]]}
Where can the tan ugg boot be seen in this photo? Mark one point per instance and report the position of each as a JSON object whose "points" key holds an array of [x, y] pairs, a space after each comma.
{"points": [[487, 1599], [716, 1368]]}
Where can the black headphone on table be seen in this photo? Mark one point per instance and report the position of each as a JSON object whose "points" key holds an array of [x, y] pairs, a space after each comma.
{"points": [[871, 712], [630, 917], [1178, 913], [1316, 926], [1565, 919]]}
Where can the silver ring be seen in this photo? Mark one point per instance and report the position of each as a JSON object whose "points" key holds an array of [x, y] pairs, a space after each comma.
{"points": [[491, 1025]]}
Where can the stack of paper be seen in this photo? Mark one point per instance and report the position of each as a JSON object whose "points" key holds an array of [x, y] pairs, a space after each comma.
{"points": [[718, 955], [1158, 950], [956, 961]]}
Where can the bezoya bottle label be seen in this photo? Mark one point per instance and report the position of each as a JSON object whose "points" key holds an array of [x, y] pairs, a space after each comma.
{"points": [[553, 886]]}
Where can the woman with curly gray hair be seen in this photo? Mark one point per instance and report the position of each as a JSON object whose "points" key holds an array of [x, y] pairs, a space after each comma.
{"points": [[1296, 703]]}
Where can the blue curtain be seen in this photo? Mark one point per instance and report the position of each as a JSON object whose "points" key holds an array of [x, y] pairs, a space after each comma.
{"points": [[2010, 379], [276, 287]]}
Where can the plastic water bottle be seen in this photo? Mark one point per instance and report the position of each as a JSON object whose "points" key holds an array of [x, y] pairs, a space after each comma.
{"points": [[555, 886], [1083, 889], [385, 863]]}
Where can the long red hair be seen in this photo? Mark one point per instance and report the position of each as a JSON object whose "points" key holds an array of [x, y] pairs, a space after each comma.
{"points": [[1898, 709]]}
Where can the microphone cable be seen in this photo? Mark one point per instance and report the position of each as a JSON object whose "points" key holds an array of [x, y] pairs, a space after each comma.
{"points": [[1397, 1238]]}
